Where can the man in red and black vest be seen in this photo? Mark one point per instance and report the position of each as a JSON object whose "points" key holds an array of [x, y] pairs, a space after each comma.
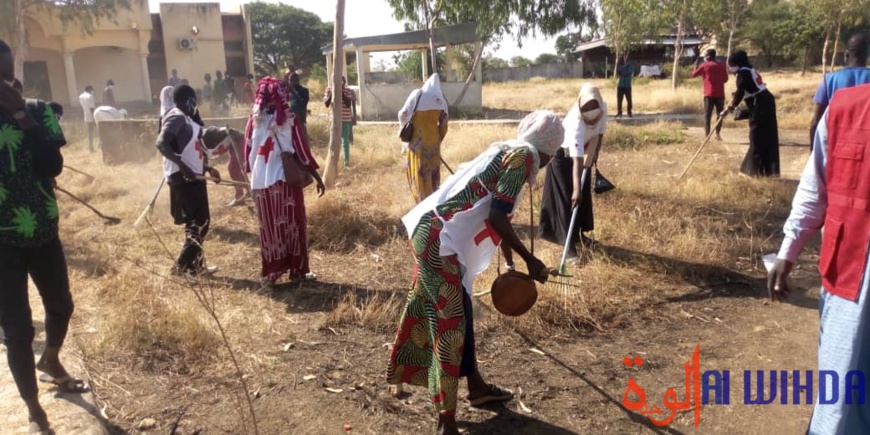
{"points": [[834, 195]]}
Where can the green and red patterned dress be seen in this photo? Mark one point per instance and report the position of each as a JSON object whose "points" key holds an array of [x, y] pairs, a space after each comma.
{"points": [[434, 345]]}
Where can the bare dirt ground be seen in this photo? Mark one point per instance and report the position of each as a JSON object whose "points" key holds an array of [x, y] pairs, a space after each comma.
{"points": [[295, 342]]}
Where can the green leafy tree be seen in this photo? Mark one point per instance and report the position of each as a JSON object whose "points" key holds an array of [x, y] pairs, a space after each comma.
{"points": [[496, 19], [768, 28], [23, 221], [286, 35], [544, 58], [87, 14], [411, 63], [490, 62], [520, 61], [3, 194], [682, 18], [565, 45], [626, 23], [10, 140]]}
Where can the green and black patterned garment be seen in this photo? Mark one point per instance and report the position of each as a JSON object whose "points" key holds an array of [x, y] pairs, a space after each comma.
{"points": [[429, 349], [29, 161]]}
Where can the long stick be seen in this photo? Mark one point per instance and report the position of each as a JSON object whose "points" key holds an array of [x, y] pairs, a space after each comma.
{"points": [[109, 219], [230, 183], [706, 141], [446, 165], [80, 172], [150, 207], [568, 238]]}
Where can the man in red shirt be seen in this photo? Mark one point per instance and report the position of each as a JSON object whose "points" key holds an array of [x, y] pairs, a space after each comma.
{"points": [[715, 75]]}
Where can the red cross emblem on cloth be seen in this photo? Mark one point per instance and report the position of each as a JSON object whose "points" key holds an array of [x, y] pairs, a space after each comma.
{"points": [[487, 233], [266, 149], [198, 147]]}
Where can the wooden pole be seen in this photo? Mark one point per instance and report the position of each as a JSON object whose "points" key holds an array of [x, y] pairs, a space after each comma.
{"points": [[330, 174]]}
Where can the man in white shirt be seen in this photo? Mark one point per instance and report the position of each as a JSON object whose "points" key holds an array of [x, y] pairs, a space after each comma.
{"points": [[89, 104]]}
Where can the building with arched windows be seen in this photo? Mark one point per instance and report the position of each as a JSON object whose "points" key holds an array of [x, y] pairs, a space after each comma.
{"points": [[137, 50]]}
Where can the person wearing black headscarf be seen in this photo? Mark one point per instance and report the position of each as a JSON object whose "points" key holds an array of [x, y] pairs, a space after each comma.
{"points": [[762, 158]]}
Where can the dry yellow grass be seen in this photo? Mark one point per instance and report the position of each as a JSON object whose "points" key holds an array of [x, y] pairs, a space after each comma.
{"points": [[659, 239]]}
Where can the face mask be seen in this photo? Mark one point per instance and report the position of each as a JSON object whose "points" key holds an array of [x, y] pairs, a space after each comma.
{"points": [[590, 115], [733, 69]]}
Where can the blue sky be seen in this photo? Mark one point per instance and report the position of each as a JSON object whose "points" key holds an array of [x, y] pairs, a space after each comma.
{"points": [[374, 17]]}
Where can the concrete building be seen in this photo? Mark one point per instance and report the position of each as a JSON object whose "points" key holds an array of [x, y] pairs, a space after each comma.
{"points": [[137, 50], [381, 96]]}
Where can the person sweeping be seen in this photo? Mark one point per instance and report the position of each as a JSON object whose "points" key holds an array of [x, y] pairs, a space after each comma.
{"points": [[184, 165], [567, 184], [453, 235]]}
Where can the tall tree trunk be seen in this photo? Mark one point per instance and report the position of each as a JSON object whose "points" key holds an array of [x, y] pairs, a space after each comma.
{"points": [[836, 45], [678, 48], [734, 22], [430, 31], [20, 36], [825, 49], [616, 64], [330, 174], [806, 61], [477, 59]]}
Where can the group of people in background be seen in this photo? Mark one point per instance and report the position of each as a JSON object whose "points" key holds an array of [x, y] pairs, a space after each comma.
{"points": [[93, 114], [222, 92]]}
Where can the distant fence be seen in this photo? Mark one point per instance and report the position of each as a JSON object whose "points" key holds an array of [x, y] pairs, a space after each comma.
{"points": [[563, 70]]}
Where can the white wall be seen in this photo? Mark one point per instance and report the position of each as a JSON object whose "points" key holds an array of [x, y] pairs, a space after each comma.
{"points": [[384, 101], [97, 64]]}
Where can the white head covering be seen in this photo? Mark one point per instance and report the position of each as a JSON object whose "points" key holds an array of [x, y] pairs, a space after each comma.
{"points": [[543, 130], [430, 98], [589, 92], [166, 103]]}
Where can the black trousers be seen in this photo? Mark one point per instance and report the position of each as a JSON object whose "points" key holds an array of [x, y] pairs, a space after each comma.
{"points": [[620, 94], [556, 202], [188, 202], [46, 265], [711, 103]]}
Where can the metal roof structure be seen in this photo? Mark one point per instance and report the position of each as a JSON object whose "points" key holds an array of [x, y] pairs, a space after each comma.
{"points": [[665, 40]]}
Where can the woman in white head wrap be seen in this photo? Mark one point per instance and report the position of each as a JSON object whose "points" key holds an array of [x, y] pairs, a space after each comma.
{"points": [[426, 110], [454, 233], [569, 180]]}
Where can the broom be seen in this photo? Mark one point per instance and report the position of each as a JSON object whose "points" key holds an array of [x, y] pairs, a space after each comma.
{"points": [[109, 219], [704, 144], [150, 208]]}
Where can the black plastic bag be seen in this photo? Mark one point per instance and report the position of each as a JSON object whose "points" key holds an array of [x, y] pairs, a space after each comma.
{"points": [[602, 184]]}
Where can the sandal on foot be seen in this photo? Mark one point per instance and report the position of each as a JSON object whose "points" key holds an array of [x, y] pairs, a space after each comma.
{"points": [[66, 384], [493, 394]]}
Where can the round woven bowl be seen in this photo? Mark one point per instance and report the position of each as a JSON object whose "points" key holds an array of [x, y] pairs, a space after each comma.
{"points": [[514, 293]]}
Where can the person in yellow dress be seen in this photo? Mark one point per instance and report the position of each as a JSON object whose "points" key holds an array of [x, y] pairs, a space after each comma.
{"points": [[426, 110]]}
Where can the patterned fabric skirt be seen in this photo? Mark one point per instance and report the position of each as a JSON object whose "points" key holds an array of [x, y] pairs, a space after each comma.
{"points": [[283, 231], [434, 344]]}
